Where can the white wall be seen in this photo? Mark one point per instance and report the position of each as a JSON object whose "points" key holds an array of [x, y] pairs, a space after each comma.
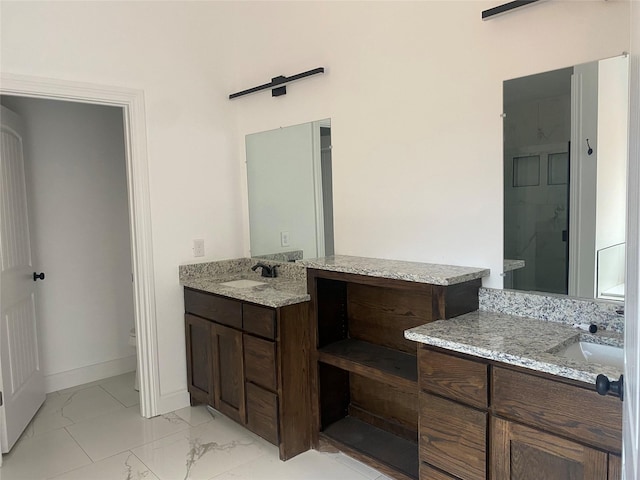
{"points": [[413, 90], [76, 178], [178, 53]]}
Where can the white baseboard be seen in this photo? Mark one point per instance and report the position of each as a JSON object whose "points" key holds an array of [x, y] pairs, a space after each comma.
{"points": [[173, 401], [90, 373]]}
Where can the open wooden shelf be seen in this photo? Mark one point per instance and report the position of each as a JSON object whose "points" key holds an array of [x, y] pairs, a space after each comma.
{"points": [[365, 378], [379, 363], [381, 448]]}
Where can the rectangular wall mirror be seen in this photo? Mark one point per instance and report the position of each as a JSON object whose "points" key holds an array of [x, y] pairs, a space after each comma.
{"points": [[565, 163], [290, 192]]}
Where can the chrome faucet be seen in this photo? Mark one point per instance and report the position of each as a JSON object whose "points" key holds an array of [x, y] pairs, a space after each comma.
{"points": [[267, 270]]}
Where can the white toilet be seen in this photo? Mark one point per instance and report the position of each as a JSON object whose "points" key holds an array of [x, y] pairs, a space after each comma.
{"points": [[133, 343]]}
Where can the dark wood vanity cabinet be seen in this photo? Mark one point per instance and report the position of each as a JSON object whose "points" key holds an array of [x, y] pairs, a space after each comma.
{"points": [[250, 362], [365, 382], [485, 420]]}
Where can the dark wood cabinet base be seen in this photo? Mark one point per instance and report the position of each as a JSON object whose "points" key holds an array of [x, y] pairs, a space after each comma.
{"points": [[481, 419], [251, 363]]}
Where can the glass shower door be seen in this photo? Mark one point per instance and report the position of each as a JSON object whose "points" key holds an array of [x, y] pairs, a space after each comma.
{"points": [[537, 218]]}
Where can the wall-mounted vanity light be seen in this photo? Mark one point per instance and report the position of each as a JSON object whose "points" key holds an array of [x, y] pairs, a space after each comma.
{"points": [[278, 85], [505, 7]]}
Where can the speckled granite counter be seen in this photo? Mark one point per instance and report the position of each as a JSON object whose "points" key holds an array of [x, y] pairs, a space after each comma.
{"points": [[288, 288], [524, 342], [508, 265], [554, 308], [397, 269]]}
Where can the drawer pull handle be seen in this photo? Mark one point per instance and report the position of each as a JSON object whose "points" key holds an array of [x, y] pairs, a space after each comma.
{"points": [[604, 386]]}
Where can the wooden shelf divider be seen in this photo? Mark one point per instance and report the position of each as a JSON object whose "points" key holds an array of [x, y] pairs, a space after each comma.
{"points": [[386, 365]]}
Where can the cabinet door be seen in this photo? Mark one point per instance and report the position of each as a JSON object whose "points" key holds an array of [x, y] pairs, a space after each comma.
{"points": [[199, 359], [228, 372], [524, 453]]}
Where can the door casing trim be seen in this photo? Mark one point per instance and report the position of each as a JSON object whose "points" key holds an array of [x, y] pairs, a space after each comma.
{"points": [[132, 103]]}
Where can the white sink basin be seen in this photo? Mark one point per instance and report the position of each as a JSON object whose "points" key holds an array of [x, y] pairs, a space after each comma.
{"points": [[595, 353], [242, 283]]}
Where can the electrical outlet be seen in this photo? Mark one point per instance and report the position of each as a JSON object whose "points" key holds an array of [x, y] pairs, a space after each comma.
{"points": [[198, 248], [284, 239]]}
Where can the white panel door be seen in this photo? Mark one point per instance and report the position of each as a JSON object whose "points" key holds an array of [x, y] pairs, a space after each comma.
{"points": [[21, 375]]}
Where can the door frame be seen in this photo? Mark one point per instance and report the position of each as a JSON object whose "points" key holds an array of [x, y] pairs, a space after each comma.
{"points": [[132, 103], [631, 411]]}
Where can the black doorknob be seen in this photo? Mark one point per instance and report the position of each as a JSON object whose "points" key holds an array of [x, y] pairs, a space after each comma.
{"points": [[604, 386], [37, 276]]}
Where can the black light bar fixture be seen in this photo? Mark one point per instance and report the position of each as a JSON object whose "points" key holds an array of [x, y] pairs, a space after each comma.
{"points": [[278, 85], [505, 7]]}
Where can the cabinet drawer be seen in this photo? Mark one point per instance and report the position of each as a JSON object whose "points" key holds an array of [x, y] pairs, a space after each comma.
{"points": [[427, 472], [453, 437], [453, 377], [556, 407], [259, 321], [615, 467], [262, 412], [260, 362], [221, 310]]}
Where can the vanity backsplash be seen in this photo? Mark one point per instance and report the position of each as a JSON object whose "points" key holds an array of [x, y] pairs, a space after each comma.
{"points": [[224, 268], [553, 308], [291, 256]]}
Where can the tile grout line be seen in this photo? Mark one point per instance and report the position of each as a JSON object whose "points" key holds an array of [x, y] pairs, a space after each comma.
{"points": [[142, 462], [238, 466], [73, 422], [112, 396], [129, 456], [79, 446]]}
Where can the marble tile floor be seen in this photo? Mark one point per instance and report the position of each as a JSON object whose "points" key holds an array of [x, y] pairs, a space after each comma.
{"points": [[95, 432]]}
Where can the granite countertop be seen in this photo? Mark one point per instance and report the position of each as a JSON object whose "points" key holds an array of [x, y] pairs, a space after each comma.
{"points": [[289, 288], [397, 269], [520, 341], [509, 264]]}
